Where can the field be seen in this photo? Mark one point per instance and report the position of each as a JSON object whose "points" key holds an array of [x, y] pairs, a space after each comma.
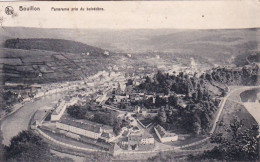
{"points": [[42, 66]]}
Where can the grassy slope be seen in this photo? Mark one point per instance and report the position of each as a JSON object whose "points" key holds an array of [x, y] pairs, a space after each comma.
{"points": [[232, 109]]}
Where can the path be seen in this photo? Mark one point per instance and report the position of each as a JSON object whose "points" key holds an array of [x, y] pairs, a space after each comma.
{"points": [[223, 102]]}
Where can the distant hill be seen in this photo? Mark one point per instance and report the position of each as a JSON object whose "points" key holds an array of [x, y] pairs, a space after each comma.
{"points": [[218, 46], [62, 52], [55, 45], [254, 58]]}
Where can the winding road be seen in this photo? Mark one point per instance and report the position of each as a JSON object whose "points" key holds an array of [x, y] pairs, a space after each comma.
{"points": [[223, 102]]}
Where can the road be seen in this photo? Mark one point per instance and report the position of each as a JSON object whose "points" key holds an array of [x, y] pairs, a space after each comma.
{"points": [[223, 102]]}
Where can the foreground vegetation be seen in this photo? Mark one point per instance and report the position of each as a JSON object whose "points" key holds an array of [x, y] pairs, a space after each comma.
{"points": [[241, 145], [27, 146]]}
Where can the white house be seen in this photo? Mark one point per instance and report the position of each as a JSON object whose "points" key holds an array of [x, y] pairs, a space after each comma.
{"points": [[80, 128], [165, 136], [108, 137], [84, 128], [148, 139], [60, 109], [58, 112], [137, 141]]}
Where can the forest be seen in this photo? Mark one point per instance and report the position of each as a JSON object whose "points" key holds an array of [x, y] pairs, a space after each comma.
{"points": [[191, 105]]}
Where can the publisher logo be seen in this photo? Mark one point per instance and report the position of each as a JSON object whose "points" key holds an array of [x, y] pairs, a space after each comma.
{"points": [[9, 10]]}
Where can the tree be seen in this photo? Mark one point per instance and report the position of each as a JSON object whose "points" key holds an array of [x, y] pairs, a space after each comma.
{"points": [[148, 103], [200, 95], [241, 145], [27, 146], [147, 80], [159, 101], [173, 100], [129, 82], [162, 116], [117, 127], [77, 111]]}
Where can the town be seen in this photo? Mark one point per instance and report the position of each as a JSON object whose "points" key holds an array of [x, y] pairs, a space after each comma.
{"points": [[133, 106], [116, 114]]}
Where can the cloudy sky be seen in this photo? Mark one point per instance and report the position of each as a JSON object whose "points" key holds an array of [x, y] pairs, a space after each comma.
{"points": [[137, 14]]}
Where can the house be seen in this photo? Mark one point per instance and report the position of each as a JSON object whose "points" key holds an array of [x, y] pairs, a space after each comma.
{"points": [[106, 53], [59, 110], [137, 141], [91, 84], [85, 128], [137, 109], [81, 128], [61, 107], [144, 111], [70, 102], [108, 137], [163, 135]]}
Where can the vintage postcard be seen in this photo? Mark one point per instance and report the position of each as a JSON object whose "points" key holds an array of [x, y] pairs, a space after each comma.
{"points": [[129, 81]]}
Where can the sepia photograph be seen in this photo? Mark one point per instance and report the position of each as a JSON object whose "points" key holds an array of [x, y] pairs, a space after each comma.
{"points": [[129, 81]]}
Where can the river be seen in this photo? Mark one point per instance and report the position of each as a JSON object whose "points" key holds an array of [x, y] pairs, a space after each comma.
{"points": [[19, 121], [250, 100]]}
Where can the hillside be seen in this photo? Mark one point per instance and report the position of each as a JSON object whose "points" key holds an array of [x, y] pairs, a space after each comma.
{"points": [[50, 60], [55, 45], [217, 46], [65, 51]]}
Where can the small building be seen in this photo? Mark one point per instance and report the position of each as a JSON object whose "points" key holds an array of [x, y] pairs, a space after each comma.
{"points": [[137, 141], [106, 53], [81, 128], [59, 110], [163, 135], [61, 107], [108, 137], [85, 128]]}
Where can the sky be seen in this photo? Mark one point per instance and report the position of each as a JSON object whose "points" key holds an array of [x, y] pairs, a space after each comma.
{"points": [[136, 14]]}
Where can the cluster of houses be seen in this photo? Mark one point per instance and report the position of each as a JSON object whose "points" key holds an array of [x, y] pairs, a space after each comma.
{"points": [[103, 135], [127, 96], [137, 141], [81, 127]]}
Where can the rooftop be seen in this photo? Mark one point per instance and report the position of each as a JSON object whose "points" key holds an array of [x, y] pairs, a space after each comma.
{"points": [[106, 135], [138, 136], [84, 124], [80, 124], [59, 107], [163, 132]]}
